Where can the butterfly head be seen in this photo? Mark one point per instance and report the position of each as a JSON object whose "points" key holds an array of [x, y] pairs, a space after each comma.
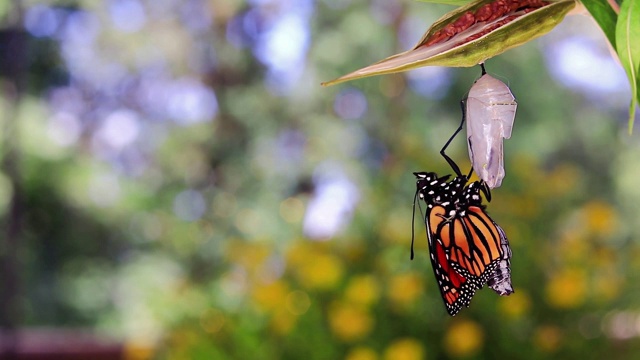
{"points": [[429, 185]]}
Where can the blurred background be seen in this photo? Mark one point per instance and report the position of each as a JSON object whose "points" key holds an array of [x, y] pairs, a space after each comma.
{"points": [[175, 184]]}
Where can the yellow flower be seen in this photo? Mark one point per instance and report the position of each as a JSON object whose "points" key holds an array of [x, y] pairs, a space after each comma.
{"points": [[249, 255], [321, 272], [299, 253], [349, 322], [567, 289], [516, 304], [547, 338], [601, 218], [314, 266], [271, 296], [464, 338], [282, 322], [363, 290], [361, 353], [563, 179], [405, 349], [404, 289]]}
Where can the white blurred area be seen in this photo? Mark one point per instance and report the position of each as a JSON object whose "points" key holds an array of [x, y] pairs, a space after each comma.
{"points": [[332, 204], [579, 57]]}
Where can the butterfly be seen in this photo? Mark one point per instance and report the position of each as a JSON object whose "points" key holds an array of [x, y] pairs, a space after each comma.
{"points": [[467, 248]]}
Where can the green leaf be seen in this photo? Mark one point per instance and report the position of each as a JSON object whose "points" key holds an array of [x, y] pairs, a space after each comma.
{"points": [[605, 16], [628, 47], [471, 45]]}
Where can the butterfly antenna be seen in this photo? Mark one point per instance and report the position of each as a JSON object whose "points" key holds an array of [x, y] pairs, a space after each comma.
{"points": [[452, 163], [486, 190], [413, 220]]}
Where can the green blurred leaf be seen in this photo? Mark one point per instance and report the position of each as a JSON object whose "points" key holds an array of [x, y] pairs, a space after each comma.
{"points": [[605, 16], [628, 47], [471, 45]]}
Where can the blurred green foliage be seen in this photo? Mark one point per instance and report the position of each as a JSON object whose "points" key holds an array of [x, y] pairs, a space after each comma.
{"points": [[112, 247]]}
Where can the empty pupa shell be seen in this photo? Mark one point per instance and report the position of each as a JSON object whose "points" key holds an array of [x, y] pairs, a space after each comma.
{"points": [[490, 110]]}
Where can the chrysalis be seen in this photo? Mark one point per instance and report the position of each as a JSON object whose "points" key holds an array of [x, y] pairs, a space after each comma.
{"points": [[490, 110]]}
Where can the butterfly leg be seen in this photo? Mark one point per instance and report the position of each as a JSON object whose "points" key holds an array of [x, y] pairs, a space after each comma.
{"points": [[486, 190], [446, 219], [452, 163]]}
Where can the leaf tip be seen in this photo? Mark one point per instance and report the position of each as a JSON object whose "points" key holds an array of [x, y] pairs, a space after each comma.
{"points": [[333, 82]]}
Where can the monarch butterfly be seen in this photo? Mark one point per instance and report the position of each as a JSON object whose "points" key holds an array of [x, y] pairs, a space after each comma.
{"points": [[489, 109], [467, 248]]}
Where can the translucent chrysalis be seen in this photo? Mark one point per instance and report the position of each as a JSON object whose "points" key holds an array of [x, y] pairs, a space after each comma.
{"points": [[490, 110]]}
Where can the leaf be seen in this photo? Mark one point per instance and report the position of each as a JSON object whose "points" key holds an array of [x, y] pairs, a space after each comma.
{"points": [[605, 16], [474, 44], [628, 47]]}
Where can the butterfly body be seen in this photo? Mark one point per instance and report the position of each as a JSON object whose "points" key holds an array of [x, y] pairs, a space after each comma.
{"points": [[467, 248]]}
